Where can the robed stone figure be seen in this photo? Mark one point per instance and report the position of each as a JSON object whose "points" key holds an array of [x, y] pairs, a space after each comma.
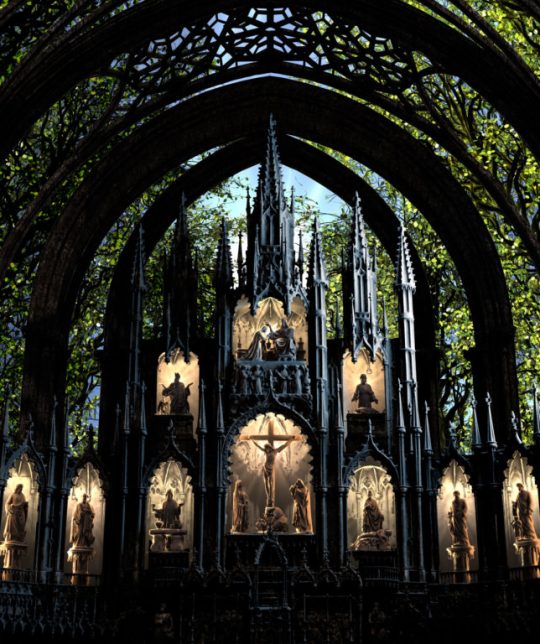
{"points": [[240, 508], [457, 521], [169, 513], [364, 395], [17, 514], [302, 510], [373, 518], [82, 525], [522, 509], [178, 394]]}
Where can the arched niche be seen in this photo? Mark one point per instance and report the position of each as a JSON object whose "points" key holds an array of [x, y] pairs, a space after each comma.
{"points": [[165, 382], [268, 316], [19, 517], [85, 524], [371, 494], [295, 511], [456, 521], [521, 515], [374, 372], [169, 510]]}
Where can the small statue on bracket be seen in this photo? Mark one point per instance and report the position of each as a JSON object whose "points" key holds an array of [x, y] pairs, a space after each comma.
{"points": [[364, 396], [240, 508], [178, 393]]}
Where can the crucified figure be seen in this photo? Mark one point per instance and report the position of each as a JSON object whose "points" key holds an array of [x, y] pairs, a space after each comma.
{"points": [[270, 457]]}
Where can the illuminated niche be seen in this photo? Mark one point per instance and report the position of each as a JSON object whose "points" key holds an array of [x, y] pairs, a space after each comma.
{"points": [[371, 508], [295, 507], [521, 515], [169, 510], [19, 517], [456, 521], [374, 378], [85, 524], [169, 394], [268, 317]]}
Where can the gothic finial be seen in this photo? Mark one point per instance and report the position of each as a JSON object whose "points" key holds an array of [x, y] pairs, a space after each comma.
{"points": [[203, 428], [127, 410], [137, 274], [240, 261], [248, 203], [428, 447], [476, 438], [404, 271], [491, 440], [223, 275], [401, 415], [300, 260], [53, 438], [317, 265], [340, 421], [142, 414], [516, 429], [90, 437], [220, 421]]}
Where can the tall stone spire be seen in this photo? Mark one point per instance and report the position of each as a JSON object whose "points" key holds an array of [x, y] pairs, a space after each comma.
{"points": [[360, 290], [180, 299], [138, 289], [270, 262], [405, 286], [223, 281]]}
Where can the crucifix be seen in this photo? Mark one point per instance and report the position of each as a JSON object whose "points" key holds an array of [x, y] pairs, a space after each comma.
{"points": [[270, 456]]}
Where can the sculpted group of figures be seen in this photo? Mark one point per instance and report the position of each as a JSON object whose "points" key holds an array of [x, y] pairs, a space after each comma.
{"points": [[373, 535], [268, 344], [274, 518], [287, 379]]}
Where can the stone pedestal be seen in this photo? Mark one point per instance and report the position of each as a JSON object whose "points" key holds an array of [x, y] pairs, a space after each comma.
{"points": [[13, 552], [167, 539], [529, 552], [379, 540], [461, 555], [80, 557]]}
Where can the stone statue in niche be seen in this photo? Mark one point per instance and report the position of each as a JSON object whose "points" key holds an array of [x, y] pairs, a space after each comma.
{"points": [[522, 512], [14, 545], [373, 536], [240, 508], [527, 543], [17, 515], [82, 525], [461, 550], [81, 539], [257, 347], [302, 509], [178, 393], [373, 518], [168, 535], [457, 521], [169, 513], [285, 345], [364, 396], [268, 344]]}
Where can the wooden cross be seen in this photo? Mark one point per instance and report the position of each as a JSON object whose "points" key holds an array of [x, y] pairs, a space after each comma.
{"points": [[271, 453]]}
